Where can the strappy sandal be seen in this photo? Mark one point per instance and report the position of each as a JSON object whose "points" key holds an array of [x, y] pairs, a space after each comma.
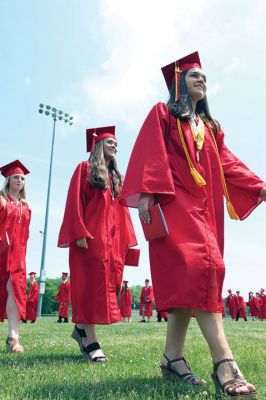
{"points": [[188, 377], [77, 335], [228, 388], [92, 347], [13, 345]]}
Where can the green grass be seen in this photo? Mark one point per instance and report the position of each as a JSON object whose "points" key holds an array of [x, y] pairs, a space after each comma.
{"points": [[52, 367]]}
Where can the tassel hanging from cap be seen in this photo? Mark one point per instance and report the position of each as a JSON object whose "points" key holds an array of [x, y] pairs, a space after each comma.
{"points": [[177, 82], [94, 136]]}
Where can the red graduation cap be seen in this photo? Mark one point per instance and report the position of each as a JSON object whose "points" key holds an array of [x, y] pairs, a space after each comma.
{"points": [[250, 292], [95, 135], [147, 280], [15, 167], [229, 291], [172, 71], [65, 273], [33, 273]]}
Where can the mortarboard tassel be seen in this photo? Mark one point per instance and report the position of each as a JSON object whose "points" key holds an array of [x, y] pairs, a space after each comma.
{"points": [[177, 82]]}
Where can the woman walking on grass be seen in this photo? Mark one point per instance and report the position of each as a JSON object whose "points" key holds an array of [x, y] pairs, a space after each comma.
{"points": [[180, 161], [99, 233], [14, 232]]}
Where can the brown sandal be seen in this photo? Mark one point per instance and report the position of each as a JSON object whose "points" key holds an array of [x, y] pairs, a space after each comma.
{"points": [[188, 377], [13, 345], [236, 382]]}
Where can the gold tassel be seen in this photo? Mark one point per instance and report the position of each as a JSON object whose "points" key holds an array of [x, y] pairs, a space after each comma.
{"points": [[177, 82], [197, 177], [231, 211]]}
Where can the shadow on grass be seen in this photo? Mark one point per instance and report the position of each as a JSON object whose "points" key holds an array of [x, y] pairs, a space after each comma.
{"points": [[120, 389]]}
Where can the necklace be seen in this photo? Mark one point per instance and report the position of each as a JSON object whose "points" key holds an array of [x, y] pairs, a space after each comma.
{"points": [[197, 129]]}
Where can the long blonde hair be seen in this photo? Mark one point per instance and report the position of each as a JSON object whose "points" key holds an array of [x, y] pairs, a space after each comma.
{"points": [[5, 192], [99, 172]]}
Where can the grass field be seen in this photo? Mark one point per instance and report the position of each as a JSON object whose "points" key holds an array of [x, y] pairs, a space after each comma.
{"points": [[52, 367]]}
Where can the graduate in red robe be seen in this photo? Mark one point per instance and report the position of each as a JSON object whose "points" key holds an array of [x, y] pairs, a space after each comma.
{"points": [[126, 302], [146, 301], [14, 232], [262, 313], [64, 298], [180, 161], [32, 299], [99, 233], [254, 306], [231, 304], [240, 307]]}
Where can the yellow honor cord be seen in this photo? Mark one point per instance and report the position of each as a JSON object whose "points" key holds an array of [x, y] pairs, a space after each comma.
{"points": [[196, 175]]}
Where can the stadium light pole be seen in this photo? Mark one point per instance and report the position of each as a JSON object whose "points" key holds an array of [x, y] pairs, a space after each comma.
{"points": [[57, 115]]}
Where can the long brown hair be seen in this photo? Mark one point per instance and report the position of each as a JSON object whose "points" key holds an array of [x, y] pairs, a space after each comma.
{"points": [[99, 172]]}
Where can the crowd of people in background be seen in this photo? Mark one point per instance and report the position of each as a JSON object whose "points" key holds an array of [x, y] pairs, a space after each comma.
{"points": [[237, 305]]}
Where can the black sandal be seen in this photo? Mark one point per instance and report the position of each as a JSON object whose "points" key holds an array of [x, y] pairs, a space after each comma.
{"points": [[77, 335], [236, 382], [93, 347], [188, 377]]}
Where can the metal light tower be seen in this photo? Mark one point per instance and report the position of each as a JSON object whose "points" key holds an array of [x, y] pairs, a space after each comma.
{"points": [[60, 116]]}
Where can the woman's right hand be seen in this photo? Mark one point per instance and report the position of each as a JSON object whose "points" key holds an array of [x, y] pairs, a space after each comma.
{"points": [[82, 242], [145, 202]]}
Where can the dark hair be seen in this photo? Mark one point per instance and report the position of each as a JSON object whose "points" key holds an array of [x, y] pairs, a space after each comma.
{"points": [[182, 109]]}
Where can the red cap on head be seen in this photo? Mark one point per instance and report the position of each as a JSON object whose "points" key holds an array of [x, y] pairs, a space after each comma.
{"points": [[147, 280], [229, 291], [65, 273], [15, 167], [95, 135], [172, 71], [250, 292], [32, 273]]}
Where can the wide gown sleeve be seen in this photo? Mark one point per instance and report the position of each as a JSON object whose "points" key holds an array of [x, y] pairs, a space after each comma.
{"points": [[243, 185], [73, 226], [149, 169]]}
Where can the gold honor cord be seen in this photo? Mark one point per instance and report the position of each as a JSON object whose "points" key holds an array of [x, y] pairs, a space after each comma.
{"points": [[196, 175]]}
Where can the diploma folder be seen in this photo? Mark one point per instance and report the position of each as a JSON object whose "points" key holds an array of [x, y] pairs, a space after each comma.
{"points": [[157, 227]]}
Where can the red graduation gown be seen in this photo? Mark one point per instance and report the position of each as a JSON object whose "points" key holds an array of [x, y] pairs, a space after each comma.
{"points": [[231, 304], [146, 299], [254, 306], [187, 266], [32, 301], [14, 225], [96, 272], [126, 303], [262, 312], [64, 298], [240, 304]]}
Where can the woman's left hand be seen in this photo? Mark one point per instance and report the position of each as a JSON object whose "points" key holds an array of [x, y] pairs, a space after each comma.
{"points": [[263, 193]]}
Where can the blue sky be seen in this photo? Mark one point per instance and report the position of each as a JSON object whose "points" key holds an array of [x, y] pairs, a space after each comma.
{"points": [[100, 61]]}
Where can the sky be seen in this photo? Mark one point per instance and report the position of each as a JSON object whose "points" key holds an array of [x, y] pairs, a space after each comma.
{"points": [[100, 61]]}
